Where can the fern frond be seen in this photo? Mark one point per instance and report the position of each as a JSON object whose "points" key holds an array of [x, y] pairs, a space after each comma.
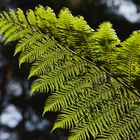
{"points": [[31, 17], [73, 31], [45, 64], [103, 47], [28, 40], [77, 67], [67, 95], [14, 25], [57, 77], [5, 27], [86, 98], [126, 128], [46, 19], [98, 123], [34, 51], [21, 17], [129, 58], [13, 16]]}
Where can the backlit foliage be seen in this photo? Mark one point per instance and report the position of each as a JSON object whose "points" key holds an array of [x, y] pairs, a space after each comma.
{"points": [[90, 76]]}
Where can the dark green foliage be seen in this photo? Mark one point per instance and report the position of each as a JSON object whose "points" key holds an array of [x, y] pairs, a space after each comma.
{"points": [[91, 81], [129, 65]]}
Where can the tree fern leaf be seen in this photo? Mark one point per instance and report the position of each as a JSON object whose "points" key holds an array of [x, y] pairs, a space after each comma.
{"points": [[98, 123], [48, 62], [10, 32], [46, 18], [77, 66], [66, 96], [31, 54], [39, 10], [103, 46], [77, 29], [28, 40], [124, 127], [129, 62], [2, 23], [46, 84], [5, 27], [86, 101], [13, 16], [17, 35], [52, 80], [40, 85], [31, 17], [36, 50], [21, 17], [6, 16]]}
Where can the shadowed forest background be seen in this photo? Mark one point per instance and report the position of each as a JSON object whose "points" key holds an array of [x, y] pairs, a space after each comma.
{"points": [[21, 115]]}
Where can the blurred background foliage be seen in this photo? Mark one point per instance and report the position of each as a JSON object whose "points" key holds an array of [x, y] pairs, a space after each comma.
{"points": [[21, 115]]}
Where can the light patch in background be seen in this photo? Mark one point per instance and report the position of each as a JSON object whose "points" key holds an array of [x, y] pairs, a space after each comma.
{"points": [[10, 116], [4, 135], [34, 122], [14, 88], [129, 11], [125, 8], [8, 136]]}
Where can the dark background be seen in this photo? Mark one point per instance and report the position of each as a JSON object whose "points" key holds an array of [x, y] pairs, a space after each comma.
{"points": [[21, 115]]}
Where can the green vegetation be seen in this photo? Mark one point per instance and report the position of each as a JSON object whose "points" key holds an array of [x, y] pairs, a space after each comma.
{"points": [[91, 76]]}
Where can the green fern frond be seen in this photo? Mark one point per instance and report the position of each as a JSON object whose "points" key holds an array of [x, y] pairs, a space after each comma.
{"points": [[13, 16], [73, 31], [126, 128], [15, 25], [45, 64], [5, 27], [98, 123], [34, 51], [29, 39], [78, 67], [56, 78], [46, 19], [86, 98], [82, 90], [67, 94], [103, 46], [129, 58], [21, 17]]}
